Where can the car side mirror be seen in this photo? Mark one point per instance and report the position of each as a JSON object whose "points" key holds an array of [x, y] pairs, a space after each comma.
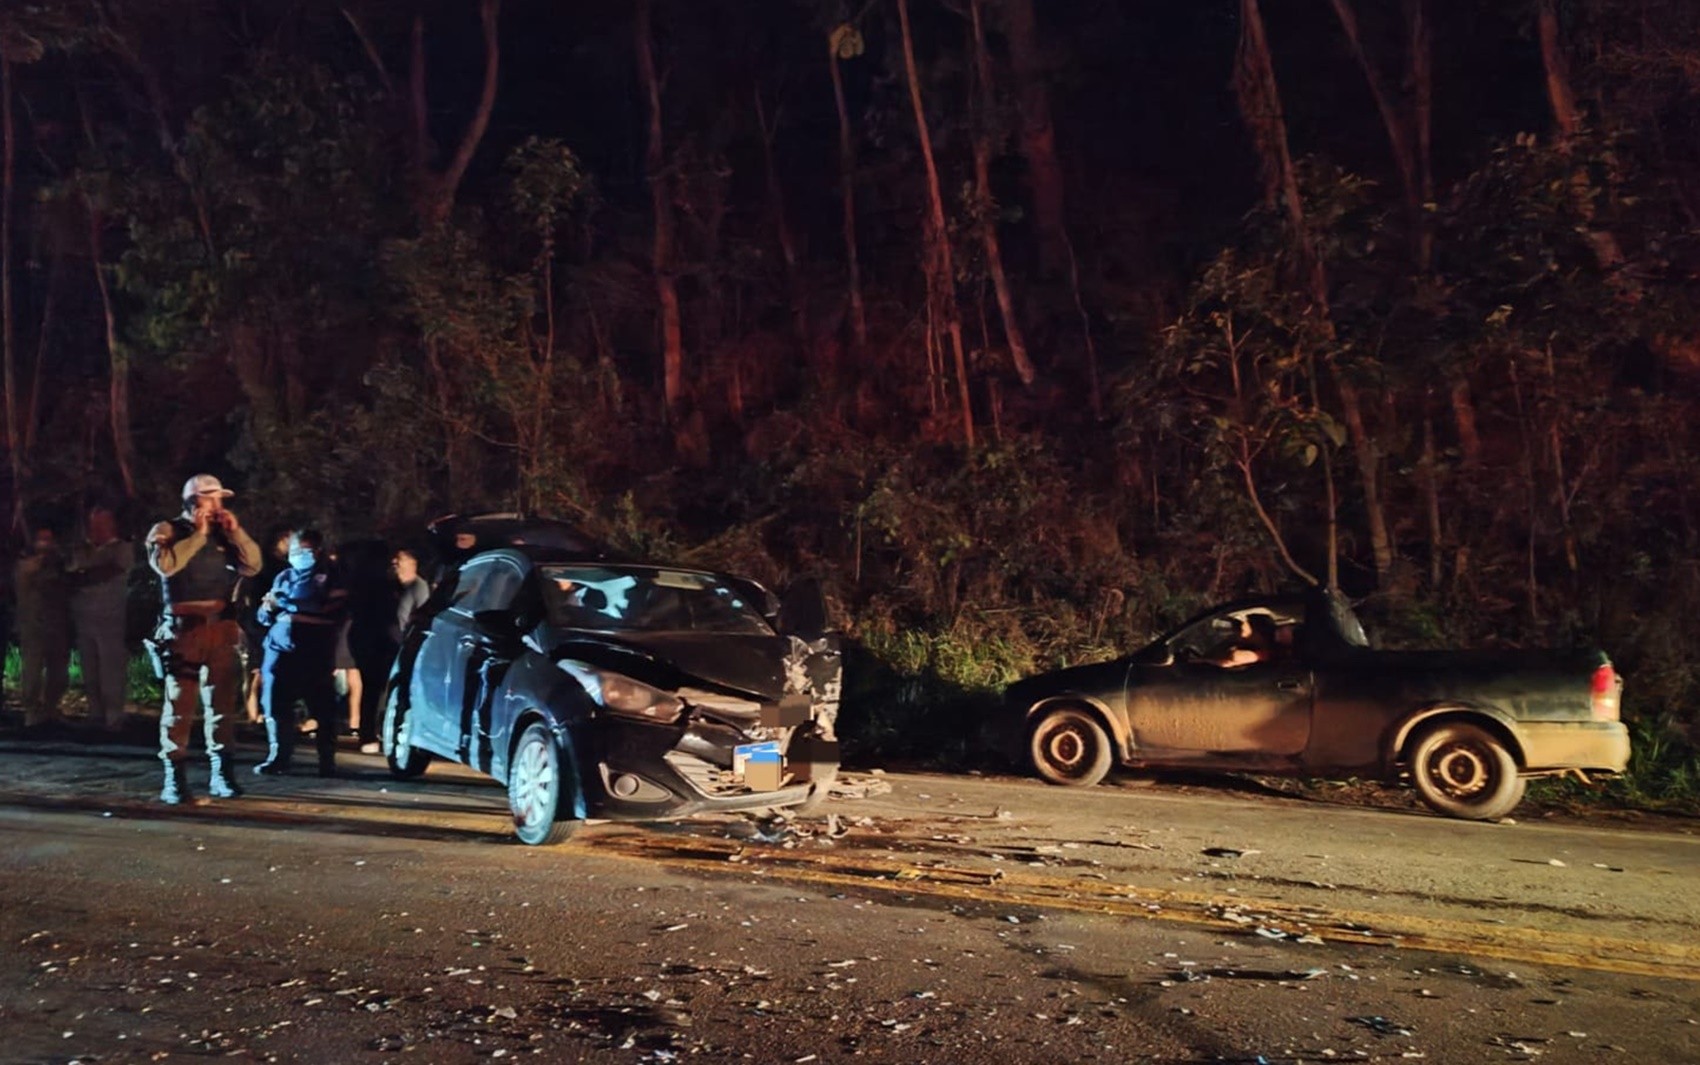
{"points": [[802, 610]]}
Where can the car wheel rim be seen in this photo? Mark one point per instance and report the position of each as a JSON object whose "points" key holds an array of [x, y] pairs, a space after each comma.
{"points": [[1067, 749], [1461, 771], [533, 784]]}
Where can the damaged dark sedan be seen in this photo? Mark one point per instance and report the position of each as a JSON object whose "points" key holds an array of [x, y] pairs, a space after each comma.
{"points": [[617, 690], [1292, 686]]}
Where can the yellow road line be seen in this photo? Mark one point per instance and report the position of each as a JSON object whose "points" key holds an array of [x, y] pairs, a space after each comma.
{"points": [[991, 886], [1000, 887]]}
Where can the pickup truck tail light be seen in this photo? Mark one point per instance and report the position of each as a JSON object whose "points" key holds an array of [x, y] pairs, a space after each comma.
{"points": [[1606, 692]]}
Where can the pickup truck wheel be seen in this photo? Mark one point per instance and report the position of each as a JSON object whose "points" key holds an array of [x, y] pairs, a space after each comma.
{"points": [[1462, 770], [535, 788], [1069, 747], [406, 761]]}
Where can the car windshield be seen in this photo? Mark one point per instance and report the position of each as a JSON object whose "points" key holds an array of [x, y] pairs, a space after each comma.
{"points": [[640, 599]]}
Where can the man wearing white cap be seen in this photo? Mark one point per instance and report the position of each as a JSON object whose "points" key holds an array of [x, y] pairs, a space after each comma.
{"points": [[200, 556]]}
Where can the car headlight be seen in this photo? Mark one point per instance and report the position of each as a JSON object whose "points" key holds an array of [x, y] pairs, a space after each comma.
{"points": [[627, 697], [623, 695]]}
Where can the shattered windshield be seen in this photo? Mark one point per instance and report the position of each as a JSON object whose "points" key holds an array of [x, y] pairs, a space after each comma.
{"points": [[646, 600]]}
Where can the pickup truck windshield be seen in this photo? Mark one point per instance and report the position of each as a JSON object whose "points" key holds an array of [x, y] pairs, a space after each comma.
{"points": [[639, 599], [1346, 623]]}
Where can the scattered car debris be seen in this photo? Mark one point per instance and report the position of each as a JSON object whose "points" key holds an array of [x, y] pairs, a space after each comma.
{"points": [[1228, 852], [1381, 1025]]}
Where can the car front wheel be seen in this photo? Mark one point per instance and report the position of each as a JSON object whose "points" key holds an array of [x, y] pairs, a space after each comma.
{"points": [[1463, 770], [1068, 746], [406, 761], [535, 788]]}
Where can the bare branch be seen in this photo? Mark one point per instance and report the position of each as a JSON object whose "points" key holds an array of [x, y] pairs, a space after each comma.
{"points": [[371, 51]]}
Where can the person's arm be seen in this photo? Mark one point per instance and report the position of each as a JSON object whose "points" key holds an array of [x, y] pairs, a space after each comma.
{"points": [[167, 555], [323, 599], [271, 604], [96, 565], [247, 551]]}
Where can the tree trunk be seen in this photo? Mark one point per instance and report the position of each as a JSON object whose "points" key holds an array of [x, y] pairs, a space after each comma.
{"points": [[1368, 456], [782, 225], [1038, 135], [1608, 253], [43, 340], [1464, 416], [1260, 103], [847, 189], [435, 193], [1557, 72], [987, 206], [941, 271], [118, 382], [1420, 72], [1431, 499], [1406, 126], [661, 203], [8, 153]]}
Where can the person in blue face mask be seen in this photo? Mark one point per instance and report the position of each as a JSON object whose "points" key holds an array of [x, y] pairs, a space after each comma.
{"points": [[301, 615]]}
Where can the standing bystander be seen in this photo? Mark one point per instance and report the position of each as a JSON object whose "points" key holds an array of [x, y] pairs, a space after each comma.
{"points": [[302, 613], [44, 631], [100, 572]]}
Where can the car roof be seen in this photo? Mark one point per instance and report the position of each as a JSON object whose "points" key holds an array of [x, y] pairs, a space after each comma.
{"points": [[513, 529]]}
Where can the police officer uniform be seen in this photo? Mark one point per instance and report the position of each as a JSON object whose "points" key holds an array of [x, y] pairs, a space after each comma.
{"points": [[198, 636], [303, 614]]}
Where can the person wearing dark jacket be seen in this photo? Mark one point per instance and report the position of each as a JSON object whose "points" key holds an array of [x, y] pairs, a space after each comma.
{"points": [[302, 614]]}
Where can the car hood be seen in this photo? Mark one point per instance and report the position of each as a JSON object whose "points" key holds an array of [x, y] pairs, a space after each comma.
{"points": [[1091, 678], [752, 665]]}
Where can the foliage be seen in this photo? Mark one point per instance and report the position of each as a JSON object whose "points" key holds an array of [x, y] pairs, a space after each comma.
{"points": [[291, 321]]}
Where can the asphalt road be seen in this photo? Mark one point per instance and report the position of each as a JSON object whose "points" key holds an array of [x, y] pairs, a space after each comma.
{"points": [[947, 919]]}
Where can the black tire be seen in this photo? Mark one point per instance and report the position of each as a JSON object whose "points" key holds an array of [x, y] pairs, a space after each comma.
{"points": [[405, 760], [535, 786], [1463, 770], [1069, 747]]}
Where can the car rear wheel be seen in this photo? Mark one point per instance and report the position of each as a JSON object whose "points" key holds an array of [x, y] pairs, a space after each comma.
{"points": [[1068, 746], [406, 761], [535, 787], [1463, 770]]}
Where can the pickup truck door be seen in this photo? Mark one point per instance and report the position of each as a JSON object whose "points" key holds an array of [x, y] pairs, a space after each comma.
{"points": [[1200, 708]]}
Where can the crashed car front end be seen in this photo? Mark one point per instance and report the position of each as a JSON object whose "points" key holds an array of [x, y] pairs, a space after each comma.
{"points": [[668, 751], [696, 700]]}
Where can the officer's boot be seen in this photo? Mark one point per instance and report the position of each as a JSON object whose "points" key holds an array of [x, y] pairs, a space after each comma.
{"points": [[176, 789], [223, 782], [279, 746], [327, 755]]}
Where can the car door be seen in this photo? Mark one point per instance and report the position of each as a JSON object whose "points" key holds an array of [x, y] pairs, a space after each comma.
{"points": [[1199, 708], [1203, 709], [434, 685], [486, 642]]}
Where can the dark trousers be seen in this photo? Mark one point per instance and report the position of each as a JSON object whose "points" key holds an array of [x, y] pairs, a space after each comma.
{"points": [[289, 677], [374, 661]]}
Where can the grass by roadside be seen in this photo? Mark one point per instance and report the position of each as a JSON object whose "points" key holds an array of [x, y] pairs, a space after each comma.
{"points": [[141, 686]]}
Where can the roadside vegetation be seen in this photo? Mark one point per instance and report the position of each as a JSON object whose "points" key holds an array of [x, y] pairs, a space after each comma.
{"points": [[1019, 400]]}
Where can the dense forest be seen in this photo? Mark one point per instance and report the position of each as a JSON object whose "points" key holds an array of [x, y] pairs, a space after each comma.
{"points": [[1030, 327]]}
